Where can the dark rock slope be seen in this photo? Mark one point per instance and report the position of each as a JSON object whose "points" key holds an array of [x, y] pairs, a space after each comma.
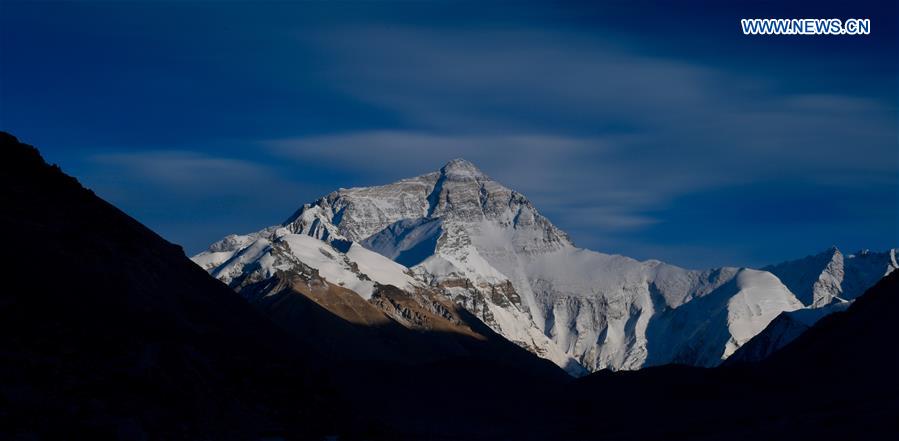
{"points": [[109, 331]]}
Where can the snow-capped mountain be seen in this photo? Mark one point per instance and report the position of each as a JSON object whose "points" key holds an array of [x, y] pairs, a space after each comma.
{"points": [[458, 233], [830, 276], [826, 282]]}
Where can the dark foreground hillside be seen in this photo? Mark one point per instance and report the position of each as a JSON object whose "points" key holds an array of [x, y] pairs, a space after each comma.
{"points": [[107, 331]]}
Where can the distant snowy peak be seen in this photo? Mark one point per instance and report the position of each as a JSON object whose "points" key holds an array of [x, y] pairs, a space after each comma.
{"points": [[829, 276], [462, 169], [458, 193], [448, 228], [827, 282], [459, 235]]}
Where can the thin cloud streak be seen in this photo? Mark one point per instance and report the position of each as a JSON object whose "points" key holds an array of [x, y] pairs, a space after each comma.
{"points": [[187, 172]]}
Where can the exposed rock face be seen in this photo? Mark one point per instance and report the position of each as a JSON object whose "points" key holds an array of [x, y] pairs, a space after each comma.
{"points": [[830, 276], [459, 233]]}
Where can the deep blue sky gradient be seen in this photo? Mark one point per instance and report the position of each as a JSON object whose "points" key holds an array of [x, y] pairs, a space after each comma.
{"points": [[650, 129]]}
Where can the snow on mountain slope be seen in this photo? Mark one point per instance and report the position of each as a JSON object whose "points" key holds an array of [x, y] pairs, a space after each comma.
{"points": [[486, 247], [408, 242], [223, 250], [826, 283], [821, 279], [761, 298], [787, 327], [358, 269], [711, 326]]}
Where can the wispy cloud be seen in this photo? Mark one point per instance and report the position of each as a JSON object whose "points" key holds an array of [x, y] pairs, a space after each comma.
{"points": [[188, 173]]}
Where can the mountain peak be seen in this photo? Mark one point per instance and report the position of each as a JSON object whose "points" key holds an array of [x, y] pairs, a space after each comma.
{"points": [[460, 167]]}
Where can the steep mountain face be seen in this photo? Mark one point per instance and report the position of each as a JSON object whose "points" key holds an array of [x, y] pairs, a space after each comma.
{"points": [[459, 233], [831, 276]]}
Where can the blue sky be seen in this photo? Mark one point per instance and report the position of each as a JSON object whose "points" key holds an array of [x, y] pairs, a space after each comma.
{"points": [[640, 128]]}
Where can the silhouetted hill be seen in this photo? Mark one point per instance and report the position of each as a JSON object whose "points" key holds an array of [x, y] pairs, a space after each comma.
{"points": [[860, 342], [107, 330]]}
